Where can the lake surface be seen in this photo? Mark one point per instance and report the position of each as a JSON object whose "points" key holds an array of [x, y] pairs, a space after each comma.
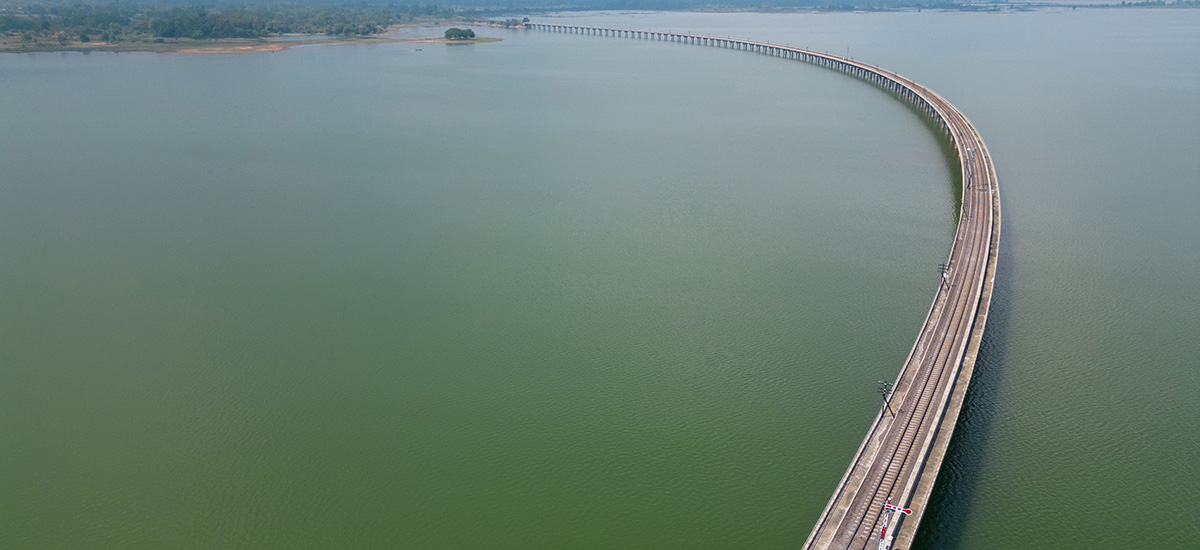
{"points": [[585, 292]]}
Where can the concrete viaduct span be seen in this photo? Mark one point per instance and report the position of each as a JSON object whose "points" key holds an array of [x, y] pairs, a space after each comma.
{"points": [[899, 459]]}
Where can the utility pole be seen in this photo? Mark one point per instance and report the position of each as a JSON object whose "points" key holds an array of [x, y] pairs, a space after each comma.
{"points": [[970, 166], [885, 389]]}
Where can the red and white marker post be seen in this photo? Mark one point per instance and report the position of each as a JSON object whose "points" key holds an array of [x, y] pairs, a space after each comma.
{"points": [[885, 541]]}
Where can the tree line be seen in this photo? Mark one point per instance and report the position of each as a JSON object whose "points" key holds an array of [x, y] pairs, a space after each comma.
{"points": [[117, 22], [455, 33]]}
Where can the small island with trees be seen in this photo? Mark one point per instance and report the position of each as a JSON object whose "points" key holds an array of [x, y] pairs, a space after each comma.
{"points": [[457, 34]]}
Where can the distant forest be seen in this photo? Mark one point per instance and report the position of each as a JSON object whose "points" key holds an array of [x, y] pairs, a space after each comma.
{"points": [[154, 20], [117, 22]]}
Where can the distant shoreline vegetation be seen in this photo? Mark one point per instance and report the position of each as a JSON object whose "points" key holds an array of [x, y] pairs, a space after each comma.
{"points": [[42, 25], [118, 21]]}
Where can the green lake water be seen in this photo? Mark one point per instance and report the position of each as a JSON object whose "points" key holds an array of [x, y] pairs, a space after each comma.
{"points": [[584, 292]]}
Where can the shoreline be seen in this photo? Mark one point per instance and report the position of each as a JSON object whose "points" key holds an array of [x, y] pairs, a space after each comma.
{"points": [[272, 44]]}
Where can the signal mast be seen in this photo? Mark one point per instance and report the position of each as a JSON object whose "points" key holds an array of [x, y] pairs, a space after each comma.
{"points": [[885, 541]]}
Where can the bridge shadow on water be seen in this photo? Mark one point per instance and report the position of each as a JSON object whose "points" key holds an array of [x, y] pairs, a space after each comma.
{"points": [[951, 504]]}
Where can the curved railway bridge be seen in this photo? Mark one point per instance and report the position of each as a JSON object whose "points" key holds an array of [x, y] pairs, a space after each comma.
{"points": [[900, 456]]}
